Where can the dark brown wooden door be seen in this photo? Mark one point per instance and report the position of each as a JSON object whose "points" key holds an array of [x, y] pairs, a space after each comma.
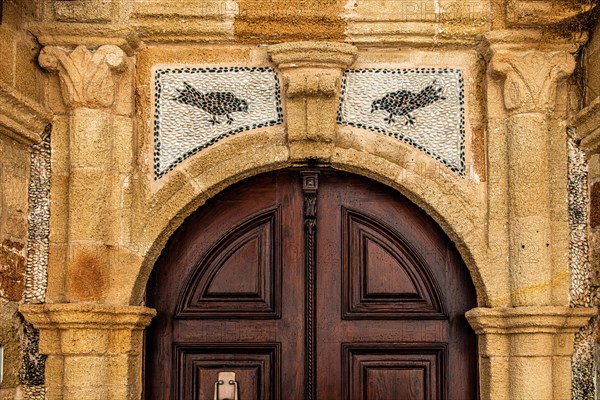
{"points": [[318, 285]]}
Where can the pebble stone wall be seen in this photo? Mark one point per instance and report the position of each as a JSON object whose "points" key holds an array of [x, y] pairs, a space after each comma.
{"points": [[36, 279], [581, 290]]}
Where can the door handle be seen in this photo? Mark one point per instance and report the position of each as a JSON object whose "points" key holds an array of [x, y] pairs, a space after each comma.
{"points": [[226, 387]]}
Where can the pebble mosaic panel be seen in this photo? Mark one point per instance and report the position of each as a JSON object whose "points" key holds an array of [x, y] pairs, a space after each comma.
{"points": [[581, 291], [36, 271], [423, 107], [196, 107]]}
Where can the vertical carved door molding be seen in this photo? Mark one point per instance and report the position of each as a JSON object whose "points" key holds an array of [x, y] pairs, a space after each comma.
{"points": [[310, 186]]}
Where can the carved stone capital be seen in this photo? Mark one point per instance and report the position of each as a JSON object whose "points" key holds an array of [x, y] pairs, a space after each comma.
{"points": [[531, 77], [87, 77]]}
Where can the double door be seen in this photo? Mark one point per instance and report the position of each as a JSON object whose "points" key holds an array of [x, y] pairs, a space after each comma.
{"points": [[310, 285]]}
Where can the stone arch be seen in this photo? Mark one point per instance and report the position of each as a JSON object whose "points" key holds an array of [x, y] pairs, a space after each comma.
{"points": [[453, 202]]}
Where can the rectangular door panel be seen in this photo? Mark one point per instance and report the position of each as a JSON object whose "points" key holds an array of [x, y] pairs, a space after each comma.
{"points": [[384, 371], [257, 368]]}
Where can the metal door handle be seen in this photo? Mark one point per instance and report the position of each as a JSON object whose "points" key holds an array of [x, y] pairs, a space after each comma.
{"points": [[226, 387]]}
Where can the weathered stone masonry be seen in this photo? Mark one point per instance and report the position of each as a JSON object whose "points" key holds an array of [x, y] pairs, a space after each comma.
{"points": [[502, 194]]}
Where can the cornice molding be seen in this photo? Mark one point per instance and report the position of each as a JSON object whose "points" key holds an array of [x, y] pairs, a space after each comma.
{"points": [[86, 34], [540, 319], [312, 54], [131, 38], [587, 127], [21, 118], [538, 39], [548, 12], [86, 316]]}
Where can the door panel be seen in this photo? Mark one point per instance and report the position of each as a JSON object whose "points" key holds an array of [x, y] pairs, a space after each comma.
{"points": [[394, 371], [382, 277], [240, 276], [372, 308], [257, 366]]}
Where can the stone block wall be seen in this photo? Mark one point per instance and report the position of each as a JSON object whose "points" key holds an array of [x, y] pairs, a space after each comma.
{"points": [[19, 49], [14, 171], [20, 90], [591, 60]]}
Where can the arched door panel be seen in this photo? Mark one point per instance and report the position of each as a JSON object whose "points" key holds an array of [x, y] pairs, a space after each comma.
{"points": [[362, 299]]}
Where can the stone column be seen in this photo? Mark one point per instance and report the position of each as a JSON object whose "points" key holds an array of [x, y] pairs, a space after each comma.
{"points": [[529, 80], [89, 86], [312, 79], [525, 352], [93, 348], [94, 351]]}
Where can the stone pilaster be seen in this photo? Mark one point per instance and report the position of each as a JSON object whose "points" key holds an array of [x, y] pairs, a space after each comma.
{"points": [[94, 352], [525, 352], [312, 74], [90, 85], [529, 80]]}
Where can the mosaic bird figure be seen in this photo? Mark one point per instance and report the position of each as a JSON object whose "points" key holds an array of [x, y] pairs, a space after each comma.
{"points": [[403, 102], [214, 103]]}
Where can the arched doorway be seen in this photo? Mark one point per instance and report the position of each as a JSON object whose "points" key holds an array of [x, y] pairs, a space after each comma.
{"points": [[311, 285]]}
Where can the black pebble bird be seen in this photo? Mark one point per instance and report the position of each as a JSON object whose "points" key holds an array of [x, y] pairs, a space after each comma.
{"points": [[214, 103], [403, 102]]}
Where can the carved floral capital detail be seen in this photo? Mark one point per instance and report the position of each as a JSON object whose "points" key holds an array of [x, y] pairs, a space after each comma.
{"points": [[531, 77], [87, 77]]}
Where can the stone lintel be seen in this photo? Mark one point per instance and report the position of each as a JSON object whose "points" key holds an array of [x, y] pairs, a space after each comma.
{"points": [[517, 320], [86, 34], [21, 118], [587, 127]]}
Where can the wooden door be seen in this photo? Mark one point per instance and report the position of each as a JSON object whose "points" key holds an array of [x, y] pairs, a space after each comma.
{"points": [[311, 285]]}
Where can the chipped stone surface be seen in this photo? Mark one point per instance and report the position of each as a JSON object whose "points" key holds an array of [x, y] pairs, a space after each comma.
{"points": [[423, 107], [12, 265], [196, 107]]}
